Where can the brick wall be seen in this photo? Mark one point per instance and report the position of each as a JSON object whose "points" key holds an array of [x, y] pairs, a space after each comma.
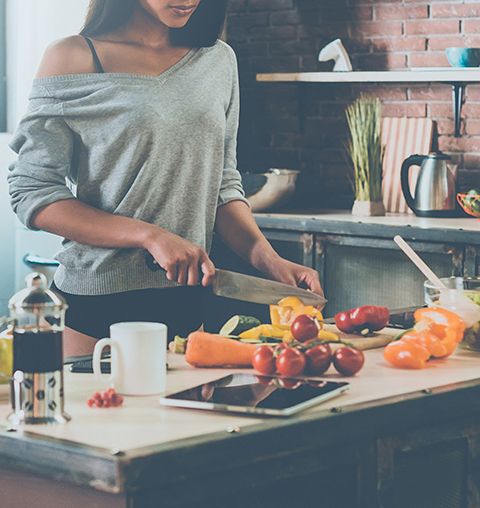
{"points": [[302, 126]]}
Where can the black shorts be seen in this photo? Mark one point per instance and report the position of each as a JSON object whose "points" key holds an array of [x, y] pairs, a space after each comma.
{"points": [[180, 308]]}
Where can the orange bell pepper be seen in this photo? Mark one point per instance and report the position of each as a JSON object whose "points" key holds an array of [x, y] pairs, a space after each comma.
{"points": [[437, 347], [442, 322], [407, 354], [436, 335]]}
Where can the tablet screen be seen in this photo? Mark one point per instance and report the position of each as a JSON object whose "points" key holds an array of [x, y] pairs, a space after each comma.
{"points": [[261, 392]]}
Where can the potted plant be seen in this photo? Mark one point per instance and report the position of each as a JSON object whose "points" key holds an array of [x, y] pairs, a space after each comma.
{"points": [[366, 153]]}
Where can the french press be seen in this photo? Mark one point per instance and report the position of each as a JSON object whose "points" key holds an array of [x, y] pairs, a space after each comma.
{"points": [[38, 318]]}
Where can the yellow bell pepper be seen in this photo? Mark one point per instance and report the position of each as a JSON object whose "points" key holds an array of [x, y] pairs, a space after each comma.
{"points": [[263, 331], [325, 335], [289, 308]]}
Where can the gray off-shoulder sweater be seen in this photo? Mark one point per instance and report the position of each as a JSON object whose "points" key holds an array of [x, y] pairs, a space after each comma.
{"points": [[161, 149]]}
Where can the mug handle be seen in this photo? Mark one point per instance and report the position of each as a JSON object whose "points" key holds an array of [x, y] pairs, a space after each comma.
{"points": [[97, 357]]}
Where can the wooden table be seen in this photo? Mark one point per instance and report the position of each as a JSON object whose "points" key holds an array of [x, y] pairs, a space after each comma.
{"points": [[398, 438]]}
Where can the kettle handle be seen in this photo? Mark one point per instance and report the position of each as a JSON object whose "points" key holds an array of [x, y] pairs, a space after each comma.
{"points": [[413, 160]]}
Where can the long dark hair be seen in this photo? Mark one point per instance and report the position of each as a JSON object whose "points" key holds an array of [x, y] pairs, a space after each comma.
{"points": [[202, 30]]}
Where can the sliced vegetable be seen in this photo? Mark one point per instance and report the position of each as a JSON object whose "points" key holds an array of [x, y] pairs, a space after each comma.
{"points": [[289, 308], [262, 340], [178, 345], [436, 334], [442, 322], [263, 331], [209, 350], [364, 319], [406, 354], [239, 324], [326, 335]]}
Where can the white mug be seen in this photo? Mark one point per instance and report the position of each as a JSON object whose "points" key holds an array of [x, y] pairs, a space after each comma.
{"points": [[138, 358]]}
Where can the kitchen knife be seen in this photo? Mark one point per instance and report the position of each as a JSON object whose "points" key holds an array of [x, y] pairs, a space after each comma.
{"points": [[252, 289], [256, 290]]}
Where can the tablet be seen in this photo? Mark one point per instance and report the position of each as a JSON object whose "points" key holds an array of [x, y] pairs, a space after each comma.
{"points": [[255, 394]]}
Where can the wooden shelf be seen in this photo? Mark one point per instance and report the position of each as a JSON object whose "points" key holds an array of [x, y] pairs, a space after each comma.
{"points": [[406, 76], [457, 78]]}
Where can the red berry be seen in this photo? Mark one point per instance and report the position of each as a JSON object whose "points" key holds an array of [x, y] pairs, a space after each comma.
{"points": [[90, 402], [116, 399], [97, 396], [98, 402]]}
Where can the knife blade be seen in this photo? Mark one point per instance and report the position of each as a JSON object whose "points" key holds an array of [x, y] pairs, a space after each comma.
{"points": [[257, 290], [247, 288]]}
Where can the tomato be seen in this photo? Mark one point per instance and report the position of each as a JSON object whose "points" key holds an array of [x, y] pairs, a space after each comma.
{"points": [[304, 328], [264, 360], [348, 361], [319, 359], [291, 362], [344, 323]]}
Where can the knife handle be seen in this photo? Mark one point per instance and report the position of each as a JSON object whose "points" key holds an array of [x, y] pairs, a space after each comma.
{"points": [[151, 263]]}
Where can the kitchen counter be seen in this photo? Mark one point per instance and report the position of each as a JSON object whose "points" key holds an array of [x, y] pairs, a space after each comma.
{"points": [[144, 455], [458, 230]]}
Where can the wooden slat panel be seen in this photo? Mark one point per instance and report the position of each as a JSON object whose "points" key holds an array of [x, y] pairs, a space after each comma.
{"points": [[402, 137]]}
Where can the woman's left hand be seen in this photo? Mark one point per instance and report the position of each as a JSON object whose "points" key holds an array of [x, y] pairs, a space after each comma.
{"points": [[287, 272]]}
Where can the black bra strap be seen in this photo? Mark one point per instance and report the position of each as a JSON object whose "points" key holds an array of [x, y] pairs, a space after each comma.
{"points": [[96, 60]]}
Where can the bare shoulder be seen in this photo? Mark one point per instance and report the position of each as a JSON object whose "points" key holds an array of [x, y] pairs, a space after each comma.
{"points": [[70, 55]]}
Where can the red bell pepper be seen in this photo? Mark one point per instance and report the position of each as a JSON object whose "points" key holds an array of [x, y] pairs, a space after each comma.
{"points": [[364, 320]]}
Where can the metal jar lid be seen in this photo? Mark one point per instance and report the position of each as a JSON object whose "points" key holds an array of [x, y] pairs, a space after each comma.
{"points": [[37, 296]]}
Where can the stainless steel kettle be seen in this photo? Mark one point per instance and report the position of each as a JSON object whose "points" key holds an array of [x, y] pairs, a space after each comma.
{"points": [[436, 185]]}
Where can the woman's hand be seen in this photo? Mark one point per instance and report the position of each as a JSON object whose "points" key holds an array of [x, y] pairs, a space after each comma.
{"points": [[287, 272], [184, 262]]}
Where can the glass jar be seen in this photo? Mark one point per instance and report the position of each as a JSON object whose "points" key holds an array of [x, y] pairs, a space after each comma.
{"points": [[470, 287]]}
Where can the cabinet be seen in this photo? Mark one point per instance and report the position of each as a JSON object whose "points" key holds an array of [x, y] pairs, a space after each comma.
{"points": [[358, 270], [429, 468], [354, 270]]}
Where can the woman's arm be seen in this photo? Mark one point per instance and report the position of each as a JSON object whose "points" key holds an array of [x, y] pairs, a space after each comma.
{"points": [[235, 223], [237, 228], [183, 261]]}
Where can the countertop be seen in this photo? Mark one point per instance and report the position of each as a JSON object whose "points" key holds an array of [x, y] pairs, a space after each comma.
{"points": [[461, 230], [111, 449]]}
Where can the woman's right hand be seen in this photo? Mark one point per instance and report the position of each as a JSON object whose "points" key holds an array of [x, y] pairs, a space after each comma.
{"points": [[184, 262]]}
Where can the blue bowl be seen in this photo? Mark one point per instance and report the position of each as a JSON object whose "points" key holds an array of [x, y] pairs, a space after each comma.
{"points": [[463, 57]]}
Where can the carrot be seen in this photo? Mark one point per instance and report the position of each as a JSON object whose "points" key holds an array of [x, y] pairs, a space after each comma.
{"points": [[209, 350]]}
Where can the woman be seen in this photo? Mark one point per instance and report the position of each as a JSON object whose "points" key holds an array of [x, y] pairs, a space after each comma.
{"points": [[128, 148]]}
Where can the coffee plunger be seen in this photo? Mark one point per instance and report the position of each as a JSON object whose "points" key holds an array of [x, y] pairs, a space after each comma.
{"points": [[38, 318]]}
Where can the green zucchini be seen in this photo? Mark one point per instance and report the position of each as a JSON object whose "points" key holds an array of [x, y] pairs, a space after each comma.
{"points": [[239, 324], [263, 340]]}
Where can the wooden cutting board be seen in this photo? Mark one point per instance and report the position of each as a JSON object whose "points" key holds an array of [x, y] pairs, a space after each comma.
{"points": [[376, 340], [402, 137]]}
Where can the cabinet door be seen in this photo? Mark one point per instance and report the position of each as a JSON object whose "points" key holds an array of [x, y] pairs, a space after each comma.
{"points": [[296, 247], [430, 468], [359, 271]]}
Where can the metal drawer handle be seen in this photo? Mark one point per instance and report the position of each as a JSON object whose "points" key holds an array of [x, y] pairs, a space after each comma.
{"points": [[34, 260]]}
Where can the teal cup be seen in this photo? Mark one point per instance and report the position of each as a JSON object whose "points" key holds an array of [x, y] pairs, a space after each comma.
{"points": [[463, 57]]}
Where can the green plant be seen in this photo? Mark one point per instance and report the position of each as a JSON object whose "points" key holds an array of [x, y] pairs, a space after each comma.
{"points": [[365, 147]]}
